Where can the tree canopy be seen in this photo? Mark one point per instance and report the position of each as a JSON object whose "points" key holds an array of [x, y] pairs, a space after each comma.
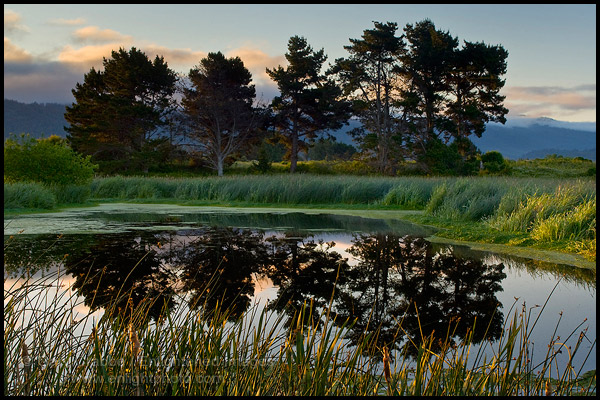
{"points": [[309, 101], [369, 78], [219, 107], [117, 111], [418, 93]]}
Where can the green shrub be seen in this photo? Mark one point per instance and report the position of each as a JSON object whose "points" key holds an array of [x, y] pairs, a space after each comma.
{"points": [[49, 161], [494, 163]]}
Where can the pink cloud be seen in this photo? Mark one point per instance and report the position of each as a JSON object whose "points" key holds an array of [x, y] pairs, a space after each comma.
{"points": [[12, 22], [68, 22], [567, 98], [87, 56], [94, 34], [257, 61], [176, 58], [559, 102], [13, 53]]}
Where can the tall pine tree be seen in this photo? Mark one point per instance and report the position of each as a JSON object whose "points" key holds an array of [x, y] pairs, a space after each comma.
{"points": [[219, 108], [309, 102], [118, 111], [369, 78]]}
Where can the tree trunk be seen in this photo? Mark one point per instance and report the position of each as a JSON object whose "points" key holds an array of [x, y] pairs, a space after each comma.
{"points": [[219, 166], [294, 151], [294, 155]]}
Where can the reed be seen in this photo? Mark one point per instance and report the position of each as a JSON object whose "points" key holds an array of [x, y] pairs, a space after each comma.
{"points": [[28, 195], [567, 213], [546, 210], [200, 351]]}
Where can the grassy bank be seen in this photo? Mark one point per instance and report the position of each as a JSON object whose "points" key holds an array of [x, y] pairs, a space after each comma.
{"points": [[550, 213], [202, 352]]}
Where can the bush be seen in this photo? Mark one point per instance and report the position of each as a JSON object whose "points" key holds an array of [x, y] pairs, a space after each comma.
{"points": [[49, 161], [494, 163]]}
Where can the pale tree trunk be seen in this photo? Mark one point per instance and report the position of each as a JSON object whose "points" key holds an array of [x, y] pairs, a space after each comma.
{"points": [[219, 165]]}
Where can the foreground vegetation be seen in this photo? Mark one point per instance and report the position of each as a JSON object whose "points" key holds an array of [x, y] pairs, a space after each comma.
{"points": [[49, 350], [556, 214]]}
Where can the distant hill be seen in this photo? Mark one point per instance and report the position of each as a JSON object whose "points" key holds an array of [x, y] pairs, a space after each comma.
{"points": [[589, 154], [537, 140], [519, 138], [36, 119], [526, 138]]}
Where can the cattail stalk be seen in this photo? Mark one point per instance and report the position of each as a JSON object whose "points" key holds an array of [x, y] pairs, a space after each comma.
{"points": [[386, 367], [135, 350], [548, 389], [26, 366]]}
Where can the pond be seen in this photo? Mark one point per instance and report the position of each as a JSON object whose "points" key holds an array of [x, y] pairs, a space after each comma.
{"points": [[384, 271]]}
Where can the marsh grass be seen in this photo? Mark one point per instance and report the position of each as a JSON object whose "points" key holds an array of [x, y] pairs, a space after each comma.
{"points": [[28, 195], [201, 351], [559, 212], [35, 195], [270, 189], [567, 213]]}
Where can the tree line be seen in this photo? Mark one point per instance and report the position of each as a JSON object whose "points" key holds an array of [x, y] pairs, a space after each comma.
{"points": [[418, 96]]}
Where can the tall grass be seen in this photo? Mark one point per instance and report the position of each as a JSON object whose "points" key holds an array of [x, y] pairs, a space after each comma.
{"points": [[196, 351], [569, 212], [271, 189], [23, 195], [28, 195], [412, 193]]}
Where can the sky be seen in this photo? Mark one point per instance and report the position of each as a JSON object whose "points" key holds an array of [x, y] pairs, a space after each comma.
{"points": [[48, 48]]}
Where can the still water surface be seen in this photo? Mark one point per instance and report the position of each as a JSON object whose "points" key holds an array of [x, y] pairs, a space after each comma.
{"points": [[383, 270]]}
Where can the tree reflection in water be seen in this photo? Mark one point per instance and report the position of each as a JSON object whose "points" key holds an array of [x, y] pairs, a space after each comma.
{"points": [[406, 291], [305, 273], [123, 270], [218, 266], [399, 288]]}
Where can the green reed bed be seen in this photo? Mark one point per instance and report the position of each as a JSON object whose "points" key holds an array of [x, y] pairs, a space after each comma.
{"points": [[51, 350], [270, 189], [34, 195], [533, 210]]}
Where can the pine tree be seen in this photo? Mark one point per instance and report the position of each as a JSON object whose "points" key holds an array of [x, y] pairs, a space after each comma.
{"points": [[219, 108], [309, 102], [118, 111]]}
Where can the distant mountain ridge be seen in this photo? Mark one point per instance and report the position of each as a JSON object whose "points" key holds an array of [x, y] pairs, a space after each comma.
{"points": [[37, 119], [525, 138], [540, 140], [518, 138]]}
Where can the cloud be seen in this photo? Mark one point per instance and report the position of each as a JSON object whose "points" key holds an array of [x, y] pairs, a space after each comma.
{"points": [[67, 22], [536, 101], [568, 98], [13, 53], [12, 22], [87, 57], [46, 82], [29, 78], [183, 59], [93, 34], [257, 61]]}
